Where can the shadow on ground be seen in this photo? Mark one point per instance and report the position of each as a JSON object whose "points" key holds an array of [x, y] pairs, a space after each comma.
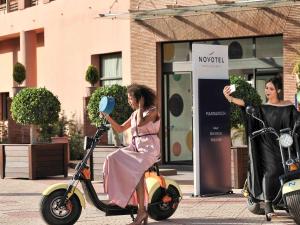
{"points": [[214, 221]]}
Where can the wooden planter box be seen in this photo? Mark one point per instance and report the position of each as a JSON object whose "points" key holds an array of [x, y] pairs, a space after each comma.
{"points": [[33, 160], [239, 166], [97, 159]]}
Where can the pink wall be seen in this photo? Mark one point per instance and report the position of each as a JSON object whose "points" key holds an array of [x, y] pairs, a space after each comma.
{"points": [[73, 32]]}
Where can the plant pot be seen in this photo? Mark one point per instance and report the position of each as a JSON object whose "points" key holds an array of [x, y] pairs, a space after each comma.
{"points": [[16, 90], [238, 137], [33, 161], [63, 140], [90, 90], [239, 166]]}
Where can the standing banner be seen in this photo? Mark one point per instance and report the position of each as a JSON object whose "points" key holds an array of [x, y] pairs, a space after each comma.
{"points": [[211, 124]]}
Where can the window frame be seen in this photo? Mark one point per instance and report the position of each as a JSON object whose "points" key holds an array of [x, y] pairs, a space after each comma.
{"points": [[102, 77]]}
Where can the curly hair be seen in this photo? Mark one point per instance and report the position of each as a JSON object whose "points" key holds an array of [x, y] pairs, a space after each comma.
{"points": [[139, 90]]}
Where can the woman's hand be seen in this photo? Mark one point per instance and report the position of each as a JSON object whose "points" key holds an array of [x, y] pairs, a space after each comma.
{"points": [[227, 92], [104, 115], [237, 101]]}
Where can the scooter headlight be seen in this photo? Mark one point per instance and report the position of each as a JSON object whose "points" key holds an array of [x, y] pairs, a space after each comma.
{"points": [[286, 140]]}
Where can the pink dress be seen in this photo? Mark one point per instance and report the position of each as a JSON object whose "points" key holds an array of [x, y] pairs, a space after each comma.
{"points": [[123, 169]]}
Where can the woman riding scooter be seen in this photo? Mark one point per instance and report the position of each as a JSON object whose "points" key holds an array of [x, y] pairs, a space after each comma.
{"points": [[124, 169], [265, 159]]}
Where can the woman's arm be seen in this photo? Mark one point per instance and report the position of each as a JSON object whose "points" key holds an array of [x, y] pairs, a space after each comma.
{"points": [[152, 116], [237, 101], [117, 127]]}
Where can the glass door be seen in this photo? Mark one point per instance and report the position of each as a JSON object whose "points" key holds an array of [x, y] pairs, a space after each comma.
{"points": [[178, 117]]}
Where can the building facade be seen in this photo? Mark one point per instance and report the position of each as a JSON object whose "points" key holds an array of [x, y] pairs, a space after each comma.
{"points": [[146, 42]]}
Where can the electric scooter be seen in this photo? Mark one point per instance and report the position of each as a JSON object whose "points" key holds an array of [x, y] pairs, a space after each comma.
{"points": [[288, 197], [62, 203]]}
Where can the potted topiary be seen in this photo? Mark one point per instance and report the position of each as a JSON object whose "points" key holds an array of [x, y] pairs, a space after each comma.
{"points": [[35, 106], [19, 75], [121, 112], [246, 92], [91, 76]]}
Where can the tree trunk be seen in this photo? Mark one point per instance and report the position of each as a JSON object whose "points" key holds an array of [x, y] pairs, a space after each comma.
{"points": [[117, 141], [33, 133]]}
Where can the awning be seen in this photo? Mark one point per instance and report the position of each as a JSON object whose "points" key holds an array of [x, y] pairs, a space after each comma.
{"points": [[223, 6]]}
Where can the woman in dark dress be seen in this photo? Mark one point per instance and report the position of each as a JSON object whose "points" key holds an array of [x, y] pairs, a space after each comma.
{"points": [[265, 165]]}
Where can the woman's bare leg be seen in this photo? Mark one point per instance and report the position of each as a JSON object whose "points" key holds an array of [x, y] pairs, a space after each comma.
{"points": [[140, 191], [142, 214]]}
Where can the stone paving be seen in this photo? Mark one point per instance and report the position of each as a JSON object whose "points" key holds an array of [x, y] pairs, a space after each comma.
{"points": [[20, 198]]}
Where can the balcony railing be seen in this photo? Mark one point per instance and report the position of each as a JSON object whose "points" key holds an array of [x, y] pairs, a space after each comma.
{"points": [[7, 6], [2, 7], [13, 5], [34, 2]]}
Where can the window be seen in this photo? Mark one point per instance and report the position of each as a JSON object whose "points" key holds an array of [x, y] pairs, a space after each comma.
{"points": [[176, 52], [269, 47], [111, 69]]}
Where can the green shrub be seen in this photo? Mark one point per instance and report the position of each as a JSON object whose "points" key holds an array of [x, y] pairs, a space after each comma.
{"points": [[75, 139], [46, 131], [19, 73], [61, 126], [243, 91], [122, 110], [92, 75], [56, 129], [35, 106], [296, 72]]}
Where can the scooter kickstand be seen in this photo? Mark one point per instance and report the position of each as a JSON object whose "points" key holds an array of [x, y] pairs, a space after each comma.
{"points": [[132, 216]]}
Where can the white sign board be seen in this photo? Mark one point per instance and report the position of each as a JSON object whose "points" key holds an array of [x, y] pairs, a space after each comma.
{"points": [[210, 69]]}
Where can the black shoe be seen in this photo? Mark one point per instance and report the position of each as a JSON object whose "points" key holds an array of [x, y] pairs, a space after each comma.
{"points": [[269, 208], [269, 211]]}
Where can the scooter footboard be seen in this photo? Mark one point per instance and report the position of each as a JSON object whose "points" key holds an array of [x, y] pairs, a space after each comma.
{"points": [[60, 186], [291, 186]]}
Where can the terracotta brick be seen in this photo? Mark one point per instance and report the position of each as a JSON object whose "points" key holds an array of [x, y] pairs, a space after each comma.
{"points": [[146, 35]]}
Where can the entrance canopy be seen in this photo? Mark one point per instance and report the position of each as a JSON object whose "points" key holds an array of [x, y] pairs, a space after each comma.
{"points": [[179, 10]]}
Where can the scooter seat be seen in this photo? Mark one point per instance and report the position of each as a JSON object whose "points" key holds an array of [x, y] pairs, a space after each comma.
{"points": [[154, 167]]}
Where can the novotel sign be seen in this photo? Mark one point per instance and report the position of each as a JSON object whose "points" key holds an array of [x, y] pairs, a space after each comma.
{"points": [[211, 59]]}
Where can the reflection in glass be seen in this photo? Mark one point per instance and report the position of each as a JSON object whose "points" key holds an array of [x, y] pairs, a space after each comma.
{"points": [[175, 52], [269, 47]]}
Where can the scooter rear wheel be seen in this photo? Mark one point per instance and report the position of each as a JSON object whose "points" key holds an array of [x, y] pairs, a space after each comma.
{"points": [[158, 210], [293, 204], [67, 214]]}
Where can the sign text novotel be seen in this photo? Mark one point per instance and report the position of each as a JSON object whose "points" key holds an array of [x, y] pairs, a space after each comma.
{"points": [[211, 59]]}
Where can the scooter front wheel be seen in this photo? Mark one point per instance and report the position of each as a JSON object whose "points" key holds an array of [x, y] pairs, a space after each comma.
{"points": [[54, 214]]}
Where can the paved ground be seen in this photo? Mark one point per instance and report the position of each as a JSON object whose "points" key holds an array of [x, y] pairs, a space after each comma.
{"points": [[19, 205]]}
